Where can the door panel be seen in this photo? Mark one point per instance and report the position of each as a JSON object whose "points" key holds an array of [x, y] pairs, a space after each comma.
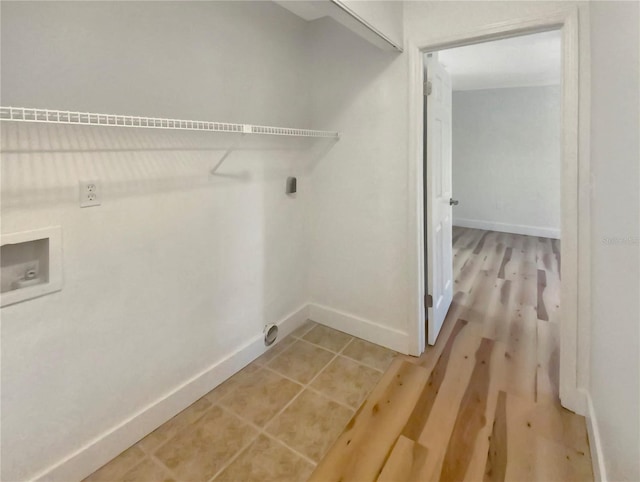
{"points": [[438, 211]]}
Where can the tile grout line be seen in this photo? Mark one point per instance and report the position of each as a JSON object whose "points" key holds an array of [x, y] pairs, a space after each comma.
{"points": [[147, 456], [189, 425], [263, 430], [159, 462], [305, 332], [318, 391], [297, 382], [340, 352], [150, 454], [305, 387], [133, 466], [295, 451], [289, 347], [260, 431], [295, 338], [240, 450], [308, 385], [365, 364]]}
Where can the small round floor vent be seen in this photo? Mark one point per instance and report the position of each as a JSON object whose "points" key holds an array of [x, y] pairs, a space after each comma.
{"points": [[270, 334]]}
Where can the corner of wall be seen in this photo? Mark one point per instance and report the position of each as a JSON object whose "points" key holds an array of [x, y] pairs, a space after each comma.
{"points": [[366, 329]]}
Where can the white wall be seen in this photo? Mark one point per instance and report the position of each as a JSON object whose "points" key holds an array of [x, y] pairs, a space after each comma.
{"points": [[358, 204], [615, 339], [178, 268], [360, 243], [140, 341], [506, 159], [363, 186]]}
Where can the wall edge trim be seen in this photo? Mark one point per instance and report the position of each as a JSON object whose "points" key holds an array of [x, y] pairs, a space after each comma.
{"points": [[595, 443]]}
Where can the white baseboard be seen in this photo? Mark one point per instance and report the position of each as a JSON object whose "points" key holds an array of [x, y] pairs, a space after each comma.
{"points": [[106, 446], [573, 398], [595, 444], [508, 228], [111, 443], [356, 326]]}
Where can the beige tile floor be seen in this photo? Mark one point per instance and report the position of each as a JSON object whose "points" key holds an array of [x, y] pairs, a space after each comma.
{"points": [[272, 421]]}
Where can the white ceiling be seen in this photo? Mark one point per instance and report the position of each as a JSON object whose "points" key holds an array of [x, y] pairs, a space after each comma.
{"points": [[529, 60]]}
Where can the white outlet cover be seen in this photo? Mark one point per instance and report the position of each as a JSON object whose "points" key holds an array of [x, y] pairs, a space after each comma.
{"points": [[89, 192]]}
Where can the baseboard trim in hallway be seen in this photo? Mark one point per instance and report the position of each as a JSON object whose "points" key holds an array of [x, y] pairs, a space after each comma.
{"points": [[595, 444], [523, 229]]}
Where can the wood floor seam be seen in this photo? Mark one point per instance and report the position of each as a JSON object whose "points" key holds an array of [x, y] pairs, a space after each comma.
{"points": [[488, 406], [481, 404]]}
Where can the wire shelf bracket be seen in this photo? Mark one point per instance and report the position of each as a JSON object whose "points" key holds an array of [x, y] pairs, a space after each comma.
{"points": [[25, 114]]}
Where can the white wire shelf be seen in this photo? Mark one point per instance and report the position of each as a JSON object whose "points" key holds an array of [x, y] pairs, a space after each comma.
{"points": [[26, 114]]}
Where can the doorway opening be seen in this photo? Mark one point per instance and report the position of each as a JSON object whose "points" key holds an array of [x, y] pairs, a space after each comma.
{"points": [[573, 185], [492, 140]]}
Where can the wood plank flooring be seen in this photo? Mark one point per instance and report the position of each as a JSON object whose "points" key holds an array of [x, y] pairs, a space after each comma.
{"points": [[483, 403]]}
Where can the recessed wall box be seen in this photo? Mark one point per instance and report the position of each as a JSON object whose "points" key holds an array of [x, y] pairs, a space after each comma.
{"points": [[30, 264]]}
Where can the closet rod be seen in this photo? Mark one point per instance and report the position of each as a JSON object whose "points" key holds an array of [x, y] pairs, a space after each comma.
{"points": [[25, 114]]}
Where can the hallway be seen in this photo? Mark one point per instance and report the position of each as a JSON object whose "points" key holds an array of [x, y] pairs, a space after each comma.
{"points": [[483, 402]]}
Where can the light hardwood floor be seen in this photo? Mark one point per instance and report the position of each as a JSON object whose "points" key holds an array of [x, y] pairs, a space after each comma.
{"points": [[482, 404]]}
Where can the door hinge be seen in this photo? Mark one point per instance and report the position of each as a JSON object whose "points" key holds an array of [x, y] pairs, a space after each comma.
{"points": [[428, 87], [428, 301]]}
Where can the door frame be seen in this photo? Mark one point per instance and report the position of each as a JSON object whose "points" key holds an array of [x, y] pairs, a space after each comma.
{"points": [[575, 204]]}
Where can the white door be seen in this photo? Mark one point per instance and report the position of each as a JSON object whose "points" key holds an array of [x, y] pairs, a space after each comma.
{"points": [[438, 202]]}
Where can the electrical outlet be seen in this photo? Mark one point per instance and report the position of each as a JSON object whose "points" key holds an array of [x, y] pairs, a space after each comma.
{"points": [[89, 194]]}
